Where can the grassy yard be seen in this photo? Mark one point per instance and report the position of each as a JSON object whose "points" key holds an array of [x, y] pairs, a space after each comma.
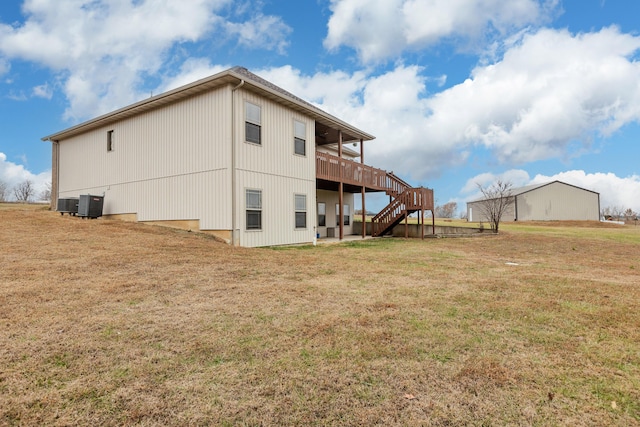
{"points": [[112, 323]]}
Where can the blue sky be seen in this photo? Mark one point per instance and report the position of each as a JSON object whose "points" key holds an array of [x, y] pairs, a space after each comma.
{"points": [[457, 92]]}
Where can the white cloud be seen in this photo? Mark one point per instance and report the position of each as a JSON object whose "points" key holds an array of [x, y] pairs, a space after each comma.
{"points": [[263, 32], [12, 174], [5, 66], [193, 69], [548, 97], [103, 49], [384, 29], [615, 191], [43, 91]]}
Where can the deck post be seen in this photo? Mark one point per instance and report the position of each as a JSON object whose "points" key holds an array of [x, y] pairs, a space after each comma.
{"points": [[433, 222], [340, 188], [364, 210], [406, 221], [422, 212]]}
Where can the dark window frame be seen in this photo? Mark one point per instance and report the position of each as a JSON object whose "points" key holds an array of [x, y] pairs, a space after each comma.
{"points": [[110, 140]]}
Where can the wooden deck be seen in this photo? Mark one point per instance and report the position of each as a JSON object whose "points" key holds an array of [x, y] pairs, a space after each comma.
{"points": [[332, 168], [406, 199]]}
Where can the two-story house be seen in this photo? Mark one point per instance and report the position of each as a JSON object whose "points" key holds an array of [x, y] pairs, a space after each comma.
{"points": [[232, 155]]}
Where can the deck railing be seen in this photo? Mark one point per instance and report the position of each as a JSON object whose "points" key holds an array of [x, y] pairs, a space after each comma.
{"points": [[333, 168]]}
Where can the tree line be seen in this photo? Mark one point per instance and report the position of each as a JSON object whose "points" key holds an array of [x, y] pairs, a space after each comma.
{"points": [[23, 192]]}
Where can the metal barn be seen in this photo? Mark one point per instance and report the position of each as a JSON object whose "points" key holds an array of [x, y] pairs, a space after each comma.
{"points": [[553, 201]]}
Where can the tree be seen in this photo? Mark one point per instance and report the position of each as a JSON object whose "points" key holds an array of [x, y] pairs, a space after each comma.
{"points": [[496, 200], [616, 212], [4, 190], [448, 210], [630, 215], [23, 191], [45, 194]]}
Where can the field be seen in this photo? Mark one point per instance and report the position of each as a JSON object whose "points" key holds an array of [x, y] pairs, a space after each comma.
{"points": [[112, 323]]}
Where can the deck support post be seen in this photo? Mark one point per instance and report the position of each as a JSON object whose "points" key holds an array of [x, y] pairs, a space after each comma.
{"points": [[422, 228], [364, 210], [341, 188]]}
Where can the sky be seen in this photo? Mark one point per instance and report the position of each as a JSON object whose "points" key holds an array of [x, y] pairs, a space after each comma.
{"points": [[458, 93]]}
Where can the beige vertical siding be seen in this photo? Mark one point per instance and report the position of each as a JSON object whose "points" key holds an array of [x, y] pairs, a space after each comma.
{"points": [[166, 164], [273, 168], [278, 209], [553, 202], [331, 199], [557, 202]]}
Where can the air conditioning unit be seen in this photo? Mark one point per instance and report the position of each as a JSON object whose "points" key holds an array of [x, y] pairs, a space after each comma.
{"points": [[90, 206], [68, 205]]}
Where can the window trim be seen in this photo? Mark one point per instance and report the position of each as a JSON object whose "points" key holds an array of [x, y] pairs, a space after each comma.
{"points": [[252, 209], [324, 215], [297, 210], [110, 140], [346, 215], [299, 137], [250, 121]]}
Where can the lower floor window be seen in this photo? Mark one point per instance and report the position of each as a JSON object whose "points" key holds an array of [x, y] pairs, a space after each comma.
{"points": [[346, 217], [254, 209], [301, 210], [322, 214]]}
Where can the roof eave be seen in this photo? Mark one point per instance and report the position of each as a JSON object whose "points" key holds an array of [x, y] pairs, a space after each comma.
{"points": [[225, 77]]}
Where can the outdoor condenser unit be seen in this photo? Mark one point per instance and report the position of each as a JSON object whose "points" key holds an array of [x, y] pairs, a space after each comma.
{"points": [[68, 205], [90, 206]]}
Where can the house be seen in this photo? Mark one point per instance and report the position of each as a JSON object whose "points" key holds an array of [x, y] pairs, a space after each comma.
{"points": [[232, 155], [552, 201]]}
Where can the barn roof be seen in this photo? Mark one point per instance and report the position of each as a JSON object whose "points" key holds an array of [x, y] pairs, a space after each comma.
{"points": [[326, 124], [517, 191]]}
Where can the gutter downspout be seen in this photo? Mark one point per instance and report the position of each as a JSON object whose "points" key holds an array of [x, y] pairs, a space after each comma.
{"points": [[55, 174], [234, 235]]}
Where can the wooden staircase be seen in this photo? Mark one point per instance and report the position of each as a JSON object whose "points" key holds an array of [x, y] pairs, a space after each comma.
{"points": [[404, 204], [405, 199]]}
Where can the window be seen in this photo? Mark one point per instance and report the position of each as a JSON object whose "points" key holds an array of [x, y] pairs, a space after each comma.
{"points": [[347, 216], [254, 209], [322, 215], [252, 123], [110, 140], [301, 211], [299, 138]]}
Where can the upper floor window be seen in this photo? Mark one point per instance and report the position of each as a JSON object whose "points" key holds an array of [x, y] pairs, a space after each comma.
{"points": [[252, 126], [110, 140], [299, 138], [301, 211]]}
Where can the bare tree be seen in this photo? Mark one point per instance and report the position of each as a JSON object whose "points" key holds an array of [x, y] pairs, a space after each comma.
{"points": [[448, 210], [630, 215], [46, 193], [496, 200], [4, 190], [616, 212], [23, 191]]}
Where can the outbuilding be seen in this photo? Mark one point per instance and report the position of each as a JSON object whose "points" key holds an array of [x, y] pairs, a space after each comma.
{"points": [[552, 201]]}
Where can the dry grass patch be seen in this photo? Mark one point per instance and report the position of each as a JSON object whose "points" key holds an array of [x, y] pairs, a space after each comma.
{"points": [[112, 323]]}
